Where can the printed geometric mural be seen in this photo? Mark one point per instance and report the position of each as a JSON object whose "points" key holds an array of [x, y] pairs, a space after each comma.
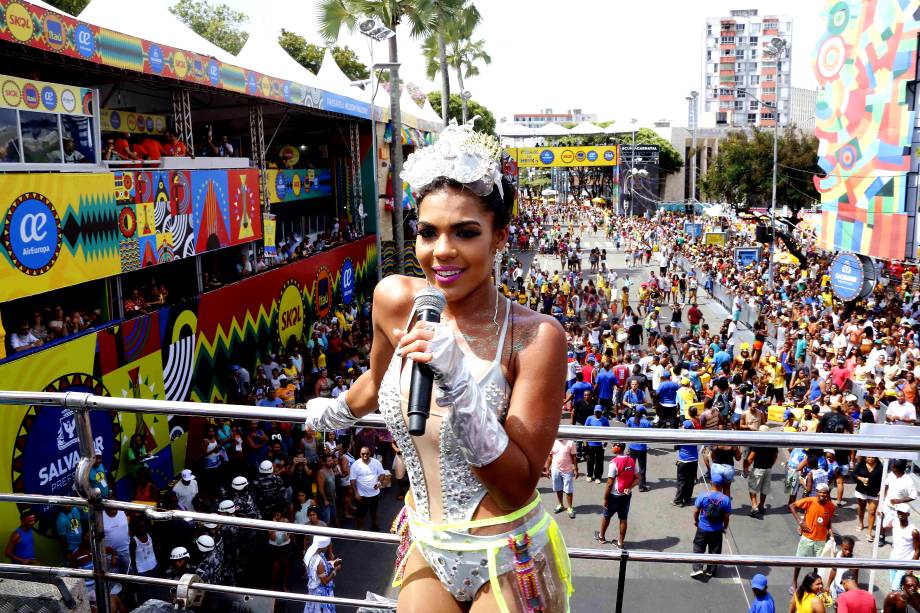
{"points": [[863, 63]]}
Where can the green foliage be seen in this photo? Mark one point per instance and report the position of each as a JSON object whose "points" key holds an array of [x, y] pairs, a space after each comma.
{"points": [[218, 23], [310, 56], [334, 14], [742, 172], [534, 185], [74, 7], [486, 121]]}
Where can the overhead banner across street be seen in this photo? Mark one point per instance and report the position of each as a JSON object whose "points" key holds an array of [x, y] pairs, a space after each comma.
{"points": [[549, 157]]}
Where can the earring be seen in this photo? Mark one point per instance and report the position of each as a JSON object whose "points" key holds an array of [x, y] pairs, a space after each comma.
{"points": [[497, 263]]}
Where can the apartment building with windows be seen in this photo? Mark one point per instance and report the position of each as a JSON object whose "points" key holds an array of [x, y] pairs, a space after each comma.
{"points": [[736, 56], [545, 116]]}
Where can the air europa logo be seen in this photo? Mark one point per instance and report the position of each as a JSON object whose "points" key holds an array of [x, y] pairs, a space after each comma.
{"points": [[32, 234], [290, 312]]}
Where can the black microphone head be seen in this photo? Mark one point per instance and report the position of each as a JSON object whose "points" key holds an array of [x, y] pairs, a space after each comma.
{"points": [[430, 299]]}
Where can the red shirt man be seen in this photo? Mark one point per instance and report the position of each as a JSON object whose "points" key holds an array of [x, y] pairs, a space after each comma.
{"points": [[694, 315], [152, 148]]}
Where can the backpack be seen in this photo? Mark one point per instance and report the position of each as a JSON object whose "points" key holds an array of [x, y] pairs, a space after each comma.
{"points": [[713, 510], [626, 466]]}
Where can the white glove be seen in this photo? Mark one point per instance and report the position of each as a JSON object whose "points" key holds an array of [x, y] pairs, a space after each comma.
{"points": [[329, 414]]}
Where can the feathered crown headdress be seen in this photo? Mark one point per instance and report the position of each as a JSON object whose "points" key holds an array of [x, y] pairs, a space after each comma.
{"points": [[468, 157]]}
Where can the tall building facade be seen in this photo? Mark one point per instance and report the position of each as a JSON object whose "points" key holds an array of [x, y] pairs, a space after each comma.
{"points": [[802, 108], [735, 57], [545, 116]]}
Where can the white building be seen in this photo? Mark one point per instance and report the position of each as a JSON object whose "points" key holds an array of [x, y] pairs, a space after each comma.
{"points": [[802, 108], [545, 116], [734, 58]]}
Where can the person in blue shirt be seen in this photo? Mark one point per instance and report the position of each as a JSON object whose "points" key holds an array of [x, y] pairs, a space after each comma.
{"points": [[667, 400], [688, 457], [801, 346], [639, 451], [710, 516], [763, 601], [721, 359], [98, 476], [596, 448], [20, 548], [577, 390], [69, 527], [605, 381]]}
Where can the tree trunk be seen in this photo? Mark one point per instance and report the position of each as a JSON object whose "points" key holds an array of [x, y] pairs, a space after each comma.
{"points": [[445, 78], [396, 158], [462, 99]]}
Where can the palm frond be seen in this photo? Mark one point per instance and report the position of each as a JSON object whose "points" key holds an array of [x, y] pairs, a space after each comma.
{"points": [[332, 15]]}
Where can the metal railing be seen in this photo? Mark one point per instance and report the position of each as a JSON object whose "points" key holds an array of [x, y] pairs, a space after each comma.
{"points": [[81, 404]]}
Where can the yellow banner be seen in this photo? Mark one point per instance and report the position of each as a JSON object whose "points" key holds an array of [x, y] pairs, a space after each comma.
{"points": [[268, 235], [714, 238], [30, 95], [56, 230], [123, 121], [547, 157]]}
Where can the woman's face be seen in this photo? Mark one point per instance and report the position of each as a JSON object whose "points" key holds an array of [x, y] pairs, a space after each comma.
{"points": [[456, 241]]}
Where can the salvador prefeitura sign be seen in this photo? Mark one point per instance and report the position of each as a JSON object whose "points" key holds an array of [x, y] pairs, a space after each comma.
{"points": [[852, 276]]}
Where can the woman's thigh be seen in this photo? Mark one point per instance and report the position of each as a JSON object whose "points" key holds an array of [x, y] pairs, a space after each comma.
{"points": [[422, 590]]}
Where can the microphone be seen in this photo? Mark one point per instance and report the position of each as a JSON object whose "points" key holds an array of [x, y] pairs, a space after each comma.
{"points": [[428, 305]]}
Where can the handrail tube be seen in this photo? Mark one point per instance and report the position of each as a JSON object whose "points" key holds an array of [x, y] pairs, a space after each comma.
{"points": [[583, 433]]}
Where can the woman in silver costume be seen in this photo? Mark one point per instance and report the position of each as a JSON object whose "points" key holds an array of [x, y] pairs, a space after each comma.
{"points": [[475, 536]]}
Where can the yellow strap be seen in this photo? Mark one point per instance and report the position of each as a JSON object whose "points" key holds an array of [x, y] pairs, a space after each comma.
{"points": [[398, 576], [493, 581], [490, 521], [563, 562]]}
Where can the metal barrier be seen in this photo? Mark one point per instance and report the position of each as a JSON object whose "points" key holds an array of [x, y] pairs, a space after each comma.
{"points": [[90, 496]]}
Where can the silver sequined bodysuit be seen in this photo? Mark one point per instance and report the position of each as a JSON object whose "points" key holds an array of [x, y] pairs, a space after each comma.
{"points": [[444, 487]]}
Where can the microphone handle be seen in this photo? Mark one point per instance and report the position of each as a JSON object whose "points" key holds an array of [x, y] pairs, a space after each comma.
{"points": [[420, 386]]}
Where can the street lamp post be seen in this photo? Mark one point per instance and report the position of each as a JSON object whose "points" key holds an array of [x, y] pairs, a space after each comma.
{"points": [[692, 124], [376, 32], [632, 168], [776, 49]]}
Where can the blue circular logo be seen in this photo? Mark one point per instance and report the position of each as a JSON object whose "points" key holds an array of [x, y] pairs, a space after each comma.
{"points": [[115, 120], [32, 234], [155, 58], [847, 276], [149, 124], [281, 187], [608, 155], [348, 281], [592, 156], [286, 91], [84, 40], [547, 157], [49, 97], [213, 72]]}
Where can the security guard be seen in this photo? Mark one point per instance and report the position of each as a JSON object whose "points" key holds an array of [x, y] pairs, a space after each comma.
{"points": [[269, 490]]}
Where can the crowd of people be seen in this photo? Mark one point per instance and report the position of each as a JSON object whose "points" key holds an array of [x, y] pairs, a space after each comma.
{"points": [[641, 352], [50, 324]]}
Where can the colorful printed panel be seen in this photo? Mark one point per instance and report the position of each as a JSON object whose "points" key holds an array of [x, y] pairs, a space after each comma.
{"points": [[56, 230], [34, 26], [298, 184], [863, 64], [242, 319]]}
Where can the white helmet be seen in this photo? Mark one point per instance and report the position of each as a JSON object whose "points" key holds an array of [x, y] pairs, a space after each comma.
{"points": [[266, 467], [226, 506], [178, 553], [239, 483], [205, 543], [209, 525]]}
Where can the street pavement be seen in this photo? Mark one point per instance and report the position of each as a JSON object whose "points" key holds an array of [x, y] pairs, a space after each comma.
{"points": [[654, 524]]}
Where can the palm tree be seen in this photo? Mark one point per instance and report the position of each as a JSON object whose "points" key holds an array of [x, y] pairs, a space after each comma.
{"points": [[447, 12], [462, 54], [421, 17]]}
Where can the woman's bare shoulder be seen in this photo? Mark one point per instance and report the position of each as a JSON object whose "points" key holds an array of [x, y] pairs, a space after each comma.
{"points": [[536, 333], [393, 298]]}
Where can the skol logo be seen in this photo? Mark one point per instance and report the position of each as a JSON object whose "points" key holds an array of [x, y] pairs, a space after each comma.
{"points": [[12, 95], [290, 312], [19, 22]]}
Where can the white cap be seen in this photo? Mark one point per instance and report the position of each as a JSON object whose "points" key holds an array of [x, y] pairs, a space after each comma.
{"points": [[226, 506], [205, 543], [209, 525], [239, 483], [902, 507], [187, 475], [266, 467], [178, 553], [822, 487]]}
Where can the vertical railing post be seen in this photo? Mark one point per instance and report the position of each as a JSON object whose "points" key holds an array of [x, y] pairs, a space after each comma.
{"points": [[79, 403], [621, 580]]}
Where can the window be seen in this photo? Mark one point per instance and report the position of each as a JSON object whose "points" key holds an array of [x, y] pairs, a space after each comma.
{"points": [[769, 90], [751, 66], [739, 27], [755, 28], [752, 118], [708, 55], [724, 91], [41, 137], [739, 105], [715, 67], [753, 54], [753, 105], [726, 53], [768, 116], [727, 67], [10, 151], [708, 29], [739, 78], [739, 53], [78, 140], [769, 77], [727, 40], [753, 40], [755, 79], [721, 118]]}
